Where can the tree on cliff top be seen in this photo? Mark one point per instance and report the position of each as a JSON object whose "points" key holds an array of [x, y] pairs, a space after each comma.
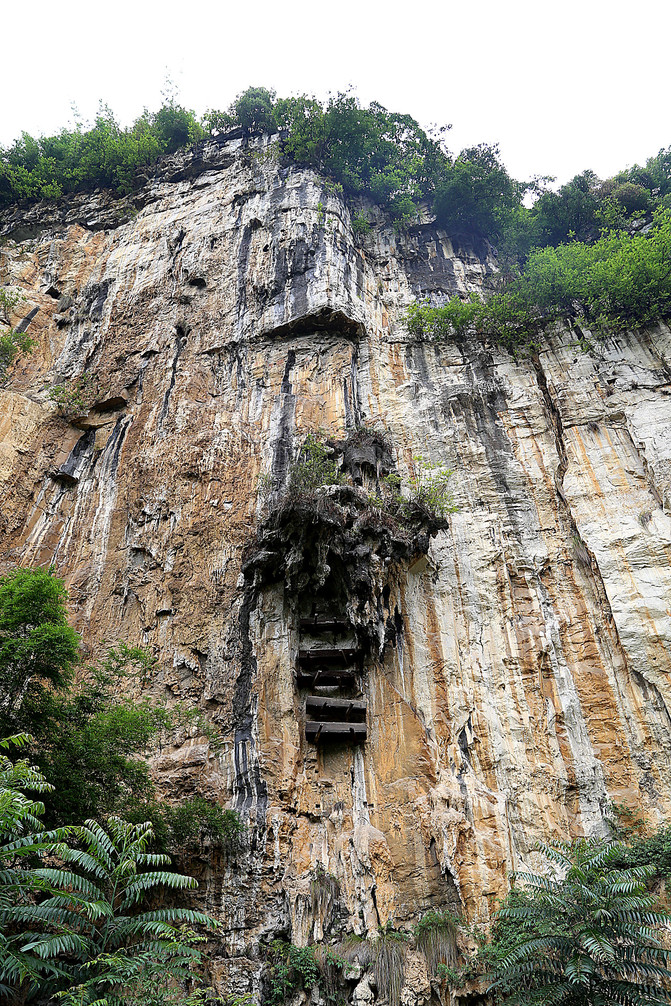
{"points": [[587, 934]]}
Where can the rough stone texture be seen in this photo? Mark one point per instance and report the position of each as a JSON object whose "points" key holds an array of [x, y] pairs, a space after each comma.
{"points": [[528, 684]]}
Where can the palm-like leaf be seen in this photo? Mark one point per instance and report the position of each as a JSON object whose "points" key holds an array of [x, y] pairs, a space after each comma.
{"points": [[588, 935], [63, 920]]}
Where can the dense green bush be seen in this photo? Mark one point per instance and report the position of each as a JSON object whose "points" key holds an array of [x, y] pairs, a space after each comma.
{"points": [[196, 821], [641, 846], [649, 850], [291, 969], [619, 281], [568, 213], [475, 195], [37, 645], [103, 155], [371, 151], [85, 738]]}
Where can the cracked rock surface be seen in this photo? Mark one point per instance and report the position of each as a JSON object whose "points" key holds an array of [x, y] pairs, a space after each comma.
{"points": [[227, 310]]}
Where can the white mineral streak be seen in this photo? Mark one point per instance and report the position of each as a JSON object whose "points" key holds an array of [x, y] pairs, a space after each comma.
{"points": [[528, 687]]}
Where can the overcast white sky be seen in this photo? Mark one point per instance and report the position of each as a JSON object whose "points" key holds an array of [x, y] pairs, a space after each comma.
{"points": [[562, 86]]}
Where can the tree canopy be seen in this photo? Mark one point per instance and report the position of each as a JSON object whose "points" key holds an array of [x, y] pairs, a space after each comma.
{"points": [[368, 150], [36, 643]]}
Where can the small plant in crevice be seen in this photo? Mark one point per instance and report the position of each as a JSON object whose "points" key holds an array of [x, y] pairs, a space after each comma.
{"points": [[361, 224], [430, 489], [9, 299], [626, 822], [291, 969], [428, 493], [384, 950], [12, 344], [324, 895], [371, 435], [315, 467], [436, 938], [581, 551], [76, 397], [389, 948]]}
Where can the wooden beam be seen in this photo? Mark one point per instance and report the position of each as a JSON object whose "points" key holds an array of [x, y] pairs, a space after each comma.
{"points": [[325, 625], [315, 731], [324, 707], [328, 656], [325, 676]]}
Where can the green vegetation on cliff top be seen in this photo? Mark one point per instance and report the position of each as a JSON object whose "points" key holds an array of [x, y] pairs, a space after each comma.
{"points": [[595, 250], [369, 151], [619, 281]]}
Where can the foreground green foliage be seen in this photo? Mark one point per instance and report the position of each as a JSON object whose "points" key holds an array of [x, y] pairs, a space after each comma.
{"points": [[620, 281], [86, 735], [74, 927], [585, 935], [22, 842], [94, 917], [37, 646]]}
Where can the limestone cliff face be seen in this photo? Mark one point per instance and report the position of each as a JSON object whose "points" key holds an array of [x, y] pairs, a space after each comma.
{"points": [[227, 310]]}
